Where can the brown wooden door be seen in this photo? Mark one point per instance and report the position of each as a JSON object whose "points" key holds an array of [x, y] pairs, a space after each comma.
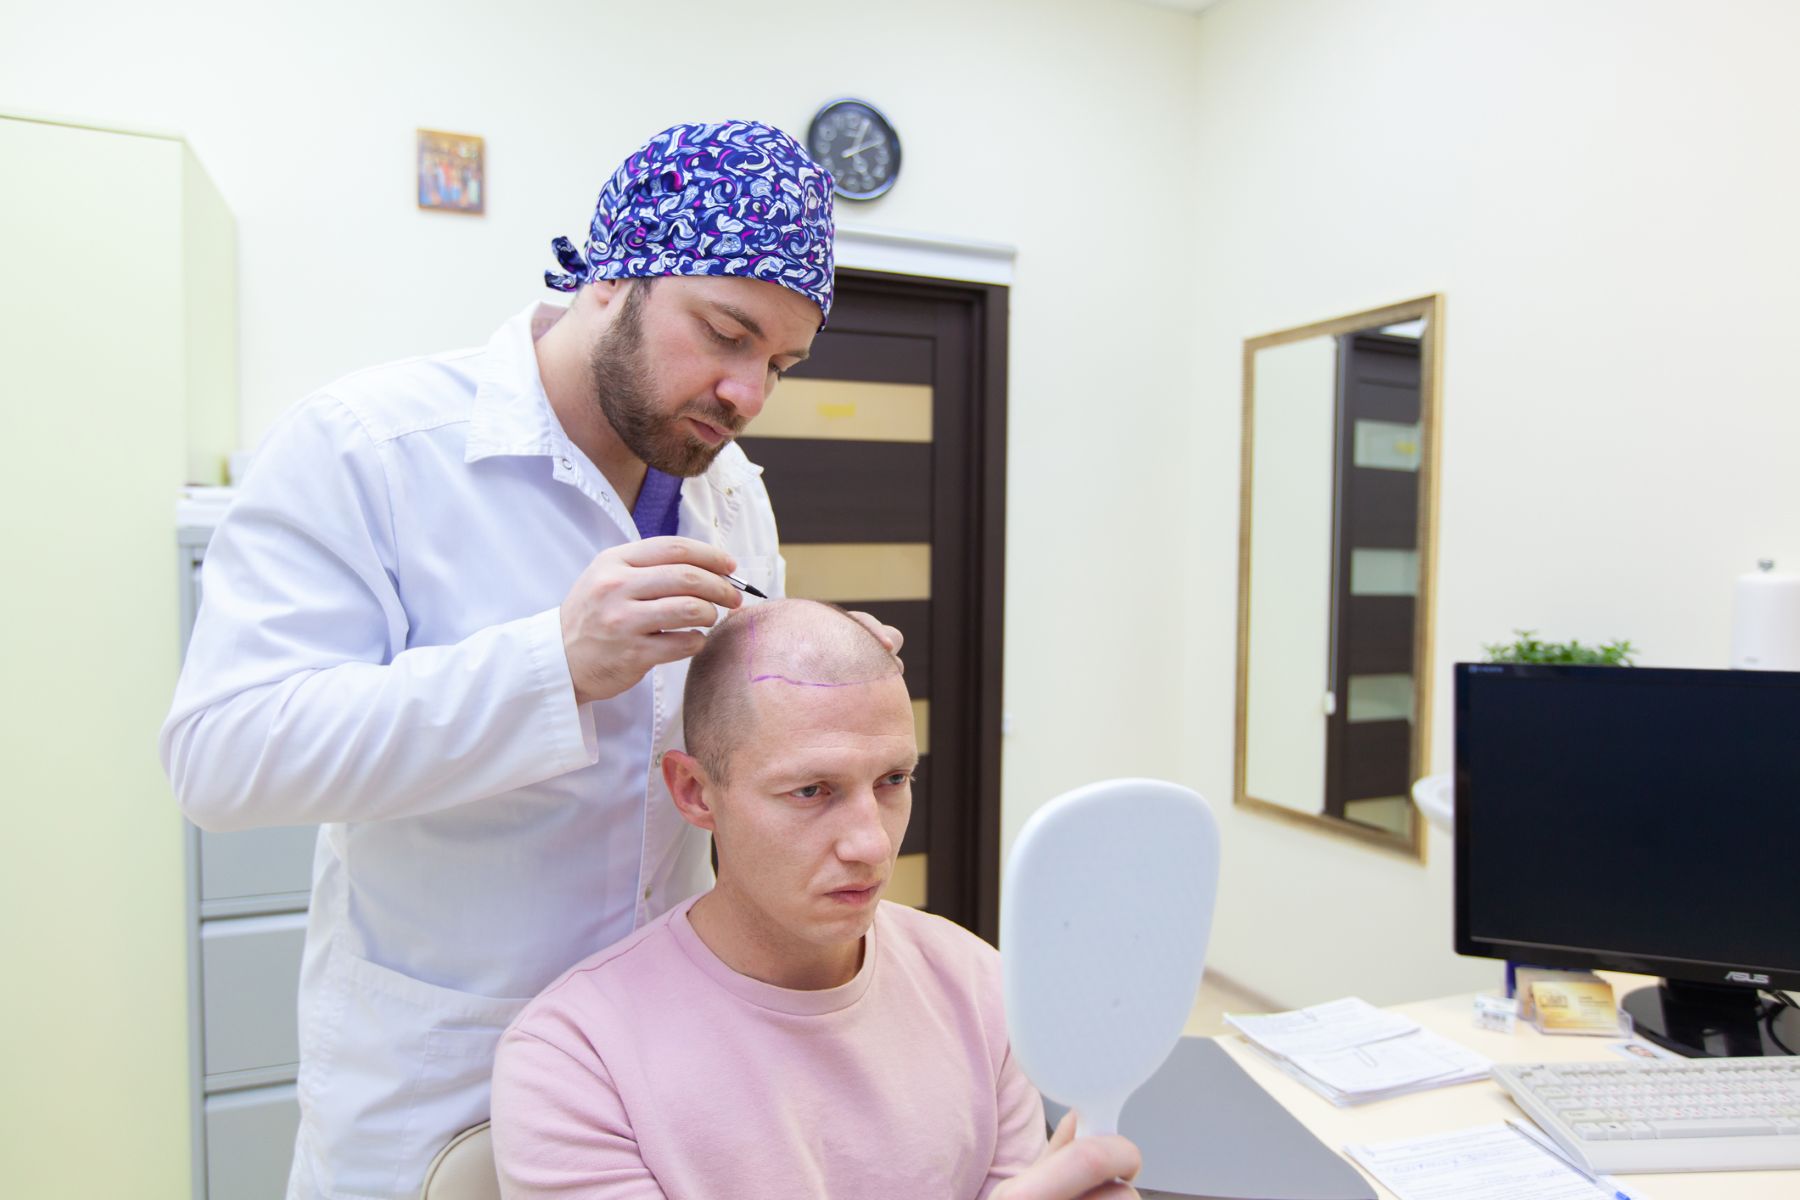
{"points": [[1369, 735], [884, 454]]}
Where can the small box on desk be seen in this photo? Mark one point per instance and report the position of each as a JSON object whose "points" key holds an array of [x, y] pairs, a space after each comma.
{"points": [[1558, 1001]]}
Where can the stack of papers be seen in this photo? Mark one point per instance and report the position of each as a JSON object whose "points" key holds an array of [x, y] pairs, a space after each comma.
{"points": [[1492, 1162], [1351, 1052]]}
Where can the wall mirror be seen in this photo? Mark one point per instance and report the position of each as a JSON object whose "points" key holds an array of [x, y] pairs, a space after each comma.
{"points": [[1335, 558]]}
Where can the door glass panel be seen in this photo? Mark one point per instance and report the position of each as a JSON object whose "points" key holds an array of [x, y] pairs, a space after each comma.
{"points": [[907, 886], [1380, 698], [1387, 446], [1392, 813], [858, 571], [1384, 572], [846, 410]]}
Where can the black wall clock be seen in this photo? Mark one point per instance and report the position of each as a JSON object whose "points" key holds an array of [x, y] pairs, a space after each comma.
{"points": [[852, 140]]}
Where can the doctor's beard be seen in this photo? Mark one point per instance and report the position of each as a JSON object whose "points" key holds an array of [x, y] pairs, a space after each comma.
{"points": [[625, 389]]}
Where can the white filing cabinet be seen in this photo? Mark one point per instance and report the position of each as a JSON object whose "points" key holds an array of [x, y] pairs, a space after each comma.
{"points": [[247, 894]]}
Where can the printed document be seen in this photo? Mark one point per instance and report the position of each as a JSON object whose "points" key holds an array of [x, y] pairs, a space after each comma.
{"points": [[1351, 1052], [1490, 1162], [1322, 1028]]}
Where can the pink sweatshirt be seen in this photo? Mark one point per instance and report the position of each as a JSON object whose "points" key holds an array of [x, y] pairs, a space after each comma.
{"points": [[652, 1069]]}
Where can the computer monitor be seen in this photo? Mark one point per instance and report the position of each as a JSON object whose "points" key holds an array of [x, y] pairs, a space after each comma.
{"points": [[1638, 819]]}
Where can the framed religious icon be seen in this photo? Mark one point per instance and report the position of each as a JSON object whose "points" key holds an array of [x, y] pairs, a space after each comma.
{"points": [[450, 172]]}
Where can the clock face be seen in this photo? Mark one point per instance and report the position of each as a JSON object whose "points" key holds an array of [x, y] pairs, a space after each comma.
{"points": [[856, 144]]}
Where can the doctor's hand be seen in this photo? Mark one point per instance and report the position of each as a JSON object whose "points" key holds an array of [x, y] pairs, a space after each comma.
{"points": [[1089, 1169], [639, 605]]}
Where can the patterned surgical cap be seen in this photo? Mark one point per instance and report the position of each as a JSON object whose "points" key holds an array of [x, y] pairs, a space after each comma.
{"points": [[730, 198]]}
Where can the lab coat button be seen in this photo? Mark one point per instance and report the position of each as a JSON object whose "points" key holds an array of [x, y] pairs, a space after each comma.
{"points": [[646, 893]]}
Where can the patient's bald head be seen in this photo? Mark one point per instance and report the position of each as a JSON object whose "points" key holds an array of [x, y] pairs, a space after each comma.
{"points": [[778, 644]]}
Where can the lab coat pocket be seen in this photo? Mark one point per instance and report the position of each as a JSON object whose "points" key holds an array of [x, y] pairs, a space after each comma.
{"points": [[404, 1066], [761, 571]]}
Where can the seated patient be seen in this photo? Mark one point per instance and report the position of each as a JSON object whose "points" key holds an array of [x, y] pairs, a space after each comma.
{"points": [[787, 1034]]}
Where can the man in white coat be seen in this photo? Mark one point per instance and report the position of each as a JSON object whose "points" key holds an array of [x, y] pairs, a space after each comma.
{"points": [[448, 619]]}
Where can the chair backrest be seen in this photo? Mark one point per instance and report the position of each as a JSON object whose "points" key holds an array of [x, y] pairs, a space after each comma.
{"points": [[463, 1170]]}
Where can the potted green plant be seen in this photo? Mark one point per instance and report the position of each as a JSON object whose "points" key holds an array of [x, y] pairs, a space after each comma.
{"points": [[1526, 648]]}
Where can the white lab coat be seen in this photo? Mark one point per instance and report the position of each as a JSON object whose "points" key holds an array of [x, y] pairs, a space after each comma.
{"points": [[380, 651]]}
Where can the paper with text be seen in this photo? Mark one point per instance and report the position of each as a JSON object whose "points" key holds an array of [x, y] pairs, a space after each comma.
{"points": [[1490, 1162], [1393, 1063], [1322, 1028]]}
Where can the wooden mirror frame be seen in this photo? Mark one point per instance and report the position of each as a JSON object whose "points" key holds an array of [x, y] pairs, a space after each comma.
{"points": [[1430, 308]]}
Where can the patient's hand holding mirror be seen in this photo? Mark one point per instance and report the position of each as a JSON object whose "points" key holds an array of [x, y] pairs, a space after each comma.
{"points": [[1104, 918]]}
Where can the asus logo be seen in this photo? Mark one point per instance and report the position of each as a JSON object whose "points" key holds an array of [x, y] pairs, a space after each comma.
{"points": [[1746, 977]]}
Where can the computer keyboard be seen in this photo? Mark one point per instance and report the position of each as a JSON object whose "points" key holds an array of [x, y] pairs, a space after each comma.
{"points": [[1707, 1114]]}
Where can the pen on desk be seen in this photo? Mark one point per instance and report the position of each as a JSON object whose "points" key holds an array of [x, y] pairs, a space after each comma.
{"points": [[1551, 1148], [741, 586]]}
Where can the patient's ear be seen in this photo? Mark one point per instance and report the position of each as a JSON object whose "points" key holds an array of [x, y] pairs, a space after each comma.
{"points": [[687, 784]]}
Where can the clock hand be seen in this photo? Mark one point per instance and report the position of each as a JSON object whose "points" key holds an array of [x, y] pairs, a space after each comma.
{"points": [[857, 149]]}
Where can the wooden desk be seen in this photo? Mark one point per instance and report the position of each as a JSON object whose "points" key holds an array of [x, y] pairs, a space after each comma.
{"points": [[1444, 1110]]}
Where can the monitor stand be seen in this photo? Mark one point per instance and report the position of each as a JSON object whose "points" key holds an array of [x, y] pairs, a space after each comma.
{"points": [[1705, 1020]]}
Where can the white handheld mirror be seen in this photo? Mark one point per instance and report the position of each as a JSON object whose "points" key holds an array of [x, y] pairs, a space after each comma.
{"points": [[1104, 915]]}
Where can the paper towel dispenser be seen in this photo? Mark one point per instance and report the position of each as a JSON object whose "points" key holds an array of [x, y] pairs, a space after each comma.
{"points": [[1765, 620]]}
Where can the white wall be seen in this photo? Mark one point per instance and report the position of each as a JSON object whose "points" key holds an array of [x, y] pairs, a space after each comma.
{"points": [[1058, 126], [1605, 192], [1046, 125], [1602, 189]]}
